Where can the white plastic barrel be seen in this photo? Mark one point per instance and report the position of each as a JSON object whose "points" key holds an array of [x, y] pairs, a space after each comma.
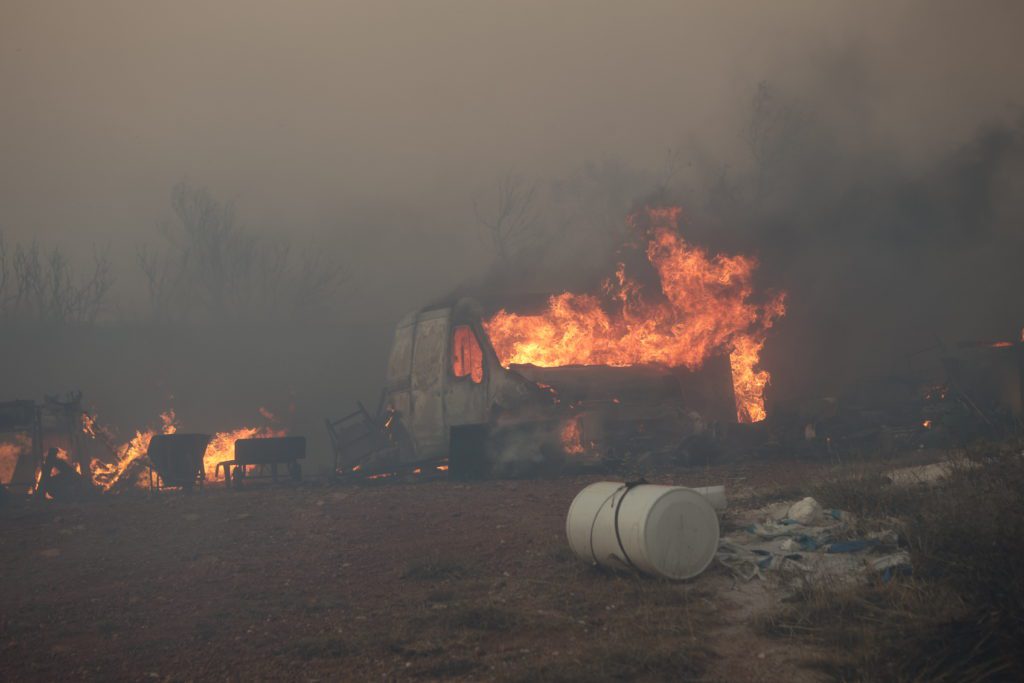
{"points": [[666, 531], [714, 494]]}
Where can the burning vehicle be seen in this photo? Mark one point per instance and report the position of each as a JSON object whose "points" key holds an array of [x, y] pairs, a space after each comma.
{"points": [[666, 354]]}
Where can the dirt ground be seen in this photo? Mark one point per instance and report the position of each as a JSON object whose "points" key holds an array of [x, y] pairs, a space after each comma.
{"points": [[379, 581]]}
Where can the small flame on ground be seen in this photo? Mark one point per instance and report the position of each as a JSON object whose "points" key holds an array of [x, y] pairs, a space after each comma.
{"points": [[572, 440], [107, 474], [927, 424]]}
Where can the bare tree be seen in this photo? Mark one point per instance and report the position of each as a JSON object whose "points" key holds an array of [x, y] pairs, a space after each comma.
{"points": [[212, 268], [43, 286], [508, 217]]}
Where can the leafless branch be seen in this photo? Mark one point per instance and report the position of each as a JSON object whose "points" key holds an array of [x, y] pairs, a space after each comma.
{"points": [[213, 268], [45, 289], [511, 219]]}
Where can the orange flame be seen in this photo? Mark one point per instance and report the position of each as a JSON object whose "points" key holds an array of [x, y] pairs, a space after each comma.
{"points": [[220, 448], [222, 445], [11, 449], [107, 474], [704, 309], [572, 440]]}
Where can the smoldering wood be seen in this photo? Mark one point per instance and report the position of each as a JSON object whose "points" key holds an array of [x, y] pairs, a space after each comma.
{"points": [[61, 481]]}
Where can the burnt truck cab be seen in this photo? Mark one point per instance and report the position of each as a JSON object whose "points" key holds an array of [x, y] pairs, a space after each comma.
{"points": [[452, 398], [444, 378]]}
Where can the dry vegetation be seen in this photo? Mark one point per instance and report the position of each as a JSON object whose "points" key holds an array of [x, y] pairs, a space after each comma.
{"points": [[959, 616]]}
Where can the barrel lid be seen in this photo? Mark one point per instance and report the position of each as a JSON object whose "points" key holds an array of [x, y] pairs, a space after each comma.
{"points": [[681, 533]]}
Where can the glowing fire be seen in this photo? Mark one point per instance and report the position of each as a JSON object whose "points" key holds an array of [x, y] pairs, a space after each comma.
{"points": [[705, 308], [107, 474], [572, 440], [10, 450], [220, 448]]}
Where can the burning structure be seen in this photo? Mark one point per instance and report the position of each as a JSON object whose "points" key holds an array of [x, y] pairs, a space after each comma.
{"points": [[703, 307], [664, 354], [672, 350]]}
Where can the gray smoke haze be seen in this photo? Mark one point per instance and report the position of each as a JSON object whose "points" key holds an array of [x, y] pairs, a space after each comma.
{"points": [[880, 184]]}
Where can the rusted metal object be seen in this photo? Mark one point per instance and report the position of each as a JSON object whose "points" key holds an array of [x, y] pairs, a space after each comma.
{"points": [[56, 422], [262, 453], [177, 460]]}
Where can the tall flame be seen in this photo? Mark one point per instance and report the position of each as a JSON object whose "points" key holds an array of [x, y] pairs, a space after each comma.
{"points": [[705, 308]]}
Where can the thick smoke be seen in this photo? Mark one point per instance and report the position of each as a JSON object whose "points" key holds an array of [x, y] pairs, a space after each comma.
{"points": [[876, 173]]}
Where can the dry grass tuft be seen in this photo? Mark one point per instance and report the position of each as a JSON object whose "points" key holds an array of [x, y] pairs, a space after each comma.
{"points": [[959, 618]]}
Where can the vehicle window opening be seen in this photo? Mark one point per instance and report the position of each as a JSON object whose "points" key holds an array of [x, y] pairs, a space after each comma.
{"points": [[467, 356]]}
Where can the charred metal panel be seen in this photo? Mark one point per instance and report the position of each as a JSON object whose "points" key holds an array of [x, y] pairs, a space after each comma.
{"points": [[429, 364], [178, 458], [399, 372], [400, 361], [635, 384], [708, 390]]}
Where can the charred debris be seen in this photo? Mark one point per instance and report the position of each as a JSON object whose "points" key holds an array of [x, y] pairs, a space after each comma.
{"points": [[450, 403], [449, 406]]}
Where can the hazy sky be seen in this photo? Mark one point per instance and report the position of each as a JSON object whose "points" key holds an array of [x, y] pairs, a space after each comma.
{"points": [[310, 114], [370, 126]]}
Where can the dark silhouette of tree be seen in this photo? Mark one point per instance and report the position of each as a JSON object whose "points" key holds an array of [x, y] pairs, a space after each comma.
{"points": [[210, 268], [508, 216], [42, 286]]}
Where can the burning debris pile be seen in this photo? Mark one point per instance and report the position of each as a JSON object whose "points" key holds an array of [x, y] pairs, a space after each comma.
{"points": [[705, 307], [60, 447], [130, 467]]}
